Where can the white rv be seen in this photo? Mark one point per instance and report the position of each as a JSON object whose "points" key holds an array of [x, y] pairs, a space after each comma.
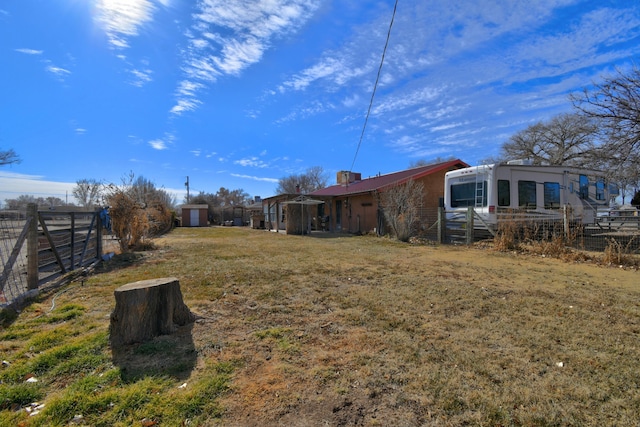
{"points": [[526, 192]]}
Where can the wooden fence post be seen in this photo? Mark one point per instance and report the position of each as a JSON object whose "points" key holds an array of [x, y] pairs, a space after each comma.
{"points": [[99, 224], [441, 225], [469, 233], [32, 246], [73, 240]]}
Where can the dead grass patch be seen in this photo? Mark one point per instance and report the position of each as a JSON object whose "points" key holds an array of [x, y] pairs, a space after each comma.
{"points": [[295, 330]]}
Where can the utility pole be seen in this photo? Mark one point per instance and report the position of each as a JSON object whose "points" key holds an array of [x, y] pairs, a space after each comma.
{"points": [[186, 184]]}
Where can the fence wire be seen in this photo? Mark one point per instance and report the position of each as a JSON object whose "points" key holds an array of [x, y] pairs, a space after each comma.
{"points": [[13, 279], [620, 234]]}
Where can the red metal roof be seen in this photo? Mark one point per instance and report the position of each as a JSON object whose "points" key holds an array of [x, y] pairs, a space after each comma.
{"points": [[379, 182]]}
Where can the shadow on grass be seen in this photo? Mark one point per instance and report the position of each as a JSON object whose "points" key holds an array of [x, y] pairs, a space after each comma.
{"points": [[119, 261], [166, 355]]}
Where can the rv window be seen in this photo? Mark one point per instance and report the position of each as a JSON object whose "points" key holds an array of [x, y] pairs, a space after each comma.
{"points": [[551, 195], [584, 187], [504, 193], [527, 194], [464, 195], [600, 189]]}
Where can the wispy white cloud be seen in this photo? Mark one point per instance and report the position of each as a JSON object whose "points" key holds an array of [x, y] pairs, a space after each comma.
{"points": [[162, 143], [227, 37], [158, 144], [185, 105], [141, 77], [313, 108], [251, 162], [80, 131], [29, 51], [58, 72], [336, 72], [447, 126], [256, 178], [122, 19]]}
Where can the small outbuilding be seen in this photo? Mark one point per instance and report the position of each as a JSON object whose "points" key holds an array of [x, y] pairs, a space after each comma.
{"points": [[195, 215]]}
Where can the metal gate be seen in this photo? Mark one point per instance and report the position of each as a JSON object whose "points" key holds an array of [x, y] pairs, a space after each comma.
{"points": [[40, 246]]}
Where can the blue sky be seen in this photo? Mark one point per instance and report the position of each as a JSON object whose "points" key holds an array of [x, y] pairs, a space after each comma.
{"points": [[240, 93]]}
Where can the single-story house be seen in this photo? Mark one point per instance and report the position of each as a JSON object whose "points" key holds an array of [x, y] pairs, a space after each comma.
{"points": [[352, 204]]}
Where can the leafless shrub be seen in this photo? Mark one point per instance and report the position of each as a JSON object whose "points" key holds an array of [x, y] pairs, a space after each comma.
{"points": [[128, 220], [548, 239], [401, 206], [505, 239], [618, 253], [138, 211]]}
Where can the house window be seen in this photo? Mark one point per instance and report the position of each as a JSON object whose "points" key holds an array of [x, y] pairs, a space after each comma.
{"points": [[504, 193], [551, 195], [527, 194]]}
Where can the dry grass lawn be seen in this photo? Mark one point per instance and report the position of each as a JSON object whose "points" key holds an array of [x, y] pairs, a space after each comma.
{"points": [[357, 331]]}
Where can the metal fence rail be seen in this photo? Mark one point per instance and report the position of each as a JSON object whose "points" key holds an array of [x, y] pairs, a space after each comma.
{"points": [[37, 247]]}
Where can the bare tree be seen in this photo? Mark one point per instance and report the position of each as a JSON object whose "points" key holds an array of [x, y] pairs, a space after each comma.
{"points": [[228, 197], [22, 201], [425, 162], [8, 157], [615, 104], [567, 139], [313, 179], [401, 205], [87, 192]]}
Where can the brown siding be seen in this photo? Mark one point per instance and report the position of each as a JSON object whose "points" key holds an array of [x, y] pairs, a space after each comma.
{"points": [[186, 217], [202, 217], [360, 212]]}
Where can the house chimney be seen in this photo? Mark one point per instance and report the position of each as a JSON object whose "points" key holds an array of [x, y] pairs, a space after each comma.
{"points": [[347, 177], [298, 188]]}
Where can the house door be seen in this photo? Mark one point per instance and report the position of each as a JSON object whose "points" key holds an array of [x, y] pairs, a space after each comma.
{"points": [[338, 215], [194, 217]]}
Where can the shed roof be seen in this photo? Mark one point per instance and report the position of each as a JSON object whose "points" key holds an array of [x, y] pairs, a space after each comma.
{"points": [[380, 182], [194, 207]]}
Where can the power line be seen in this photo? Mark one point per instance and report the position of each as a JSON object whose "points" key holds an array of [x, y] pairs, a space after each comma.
{"points": [[375, 86]]}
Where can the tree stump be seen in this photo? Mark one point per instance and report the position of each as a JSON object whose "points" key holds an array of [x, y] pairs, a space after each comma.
{"points": [[147, 309]]}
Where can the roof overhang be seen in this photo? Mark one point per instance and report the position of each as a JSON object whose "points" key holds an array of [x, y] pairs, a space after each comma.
{"points": [[303, 200]]}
